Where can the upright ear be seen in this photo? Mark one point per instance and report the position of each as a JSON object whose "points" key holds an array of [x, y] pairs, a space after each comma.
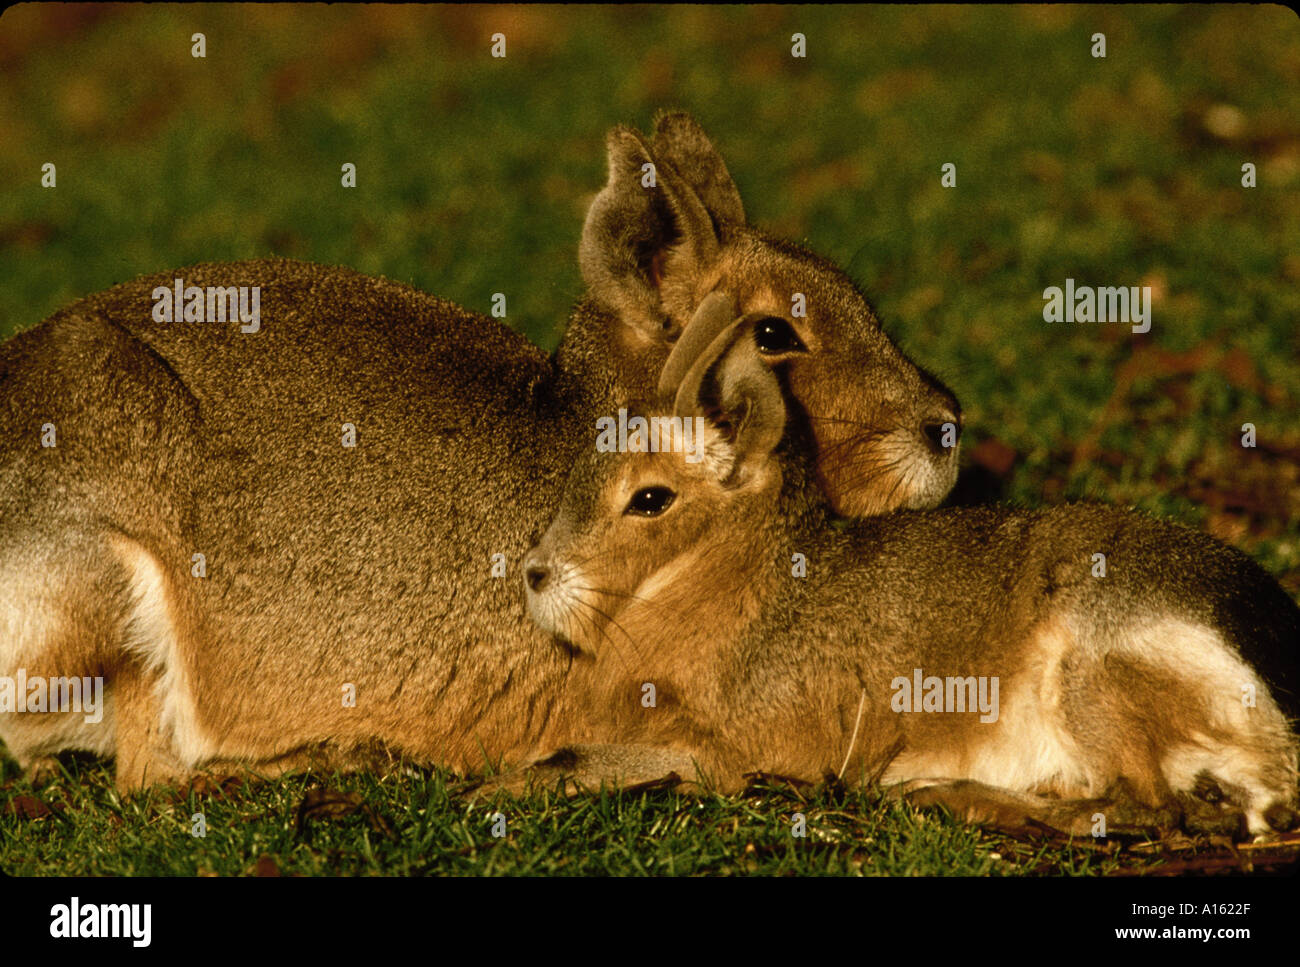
{"points": [[680, 141], [716, 313], [646, 230], [731, 383]]}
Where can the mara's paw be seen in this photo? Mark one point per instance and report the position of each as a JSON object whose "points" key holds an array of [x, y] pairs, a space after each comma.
{"points": [[1021, 814], [1282, 817], [981, 805], [43, 770], [574, 770], [1216, 807]]}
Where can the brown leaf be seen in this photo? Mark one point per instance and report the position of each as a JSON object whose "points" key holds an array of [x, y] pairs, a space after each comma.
{"points": [[320, 803], [28, 807], [30, 235], [1150, 362], [210, 785], [328, 804], [1240, 369], [266, 866], [994, 456], [380, 825]]}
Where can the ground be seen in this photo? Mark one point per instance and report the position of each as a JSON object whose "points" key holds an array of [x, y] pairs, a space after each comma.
{"points": [[472, 178]]}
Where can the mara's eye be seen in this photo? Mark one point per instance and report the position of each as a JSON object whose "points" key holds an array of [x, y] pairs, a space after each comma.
{"points": [[775, 336], [650, 502]]}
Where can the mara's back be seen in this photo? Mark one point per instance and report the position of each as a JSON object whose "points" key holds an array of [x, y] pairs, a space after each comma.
{"points": [[952, 577], [347, 472]]}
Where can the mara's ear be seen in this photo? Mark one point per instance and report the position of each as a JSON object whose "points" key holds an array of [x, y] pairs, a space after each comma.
{"points": [[716, 312], [730, 383], [646, 227], [680, 141]]}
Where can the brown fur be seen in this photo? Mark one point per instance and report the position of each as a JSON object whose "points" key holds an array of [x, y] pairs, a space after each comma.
{"points": [[1128, 682], [371, 566]]}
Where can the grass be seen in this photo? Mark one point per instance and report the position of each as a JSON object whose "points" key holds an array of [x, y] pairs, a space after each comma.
{"points": [[421, 823], [473, 176]]}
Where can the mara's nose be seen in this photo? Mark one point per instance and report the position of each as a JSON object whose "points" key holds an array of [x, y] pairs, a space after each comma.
{"points": [[537, 576], [942, 432], [941, 424]]}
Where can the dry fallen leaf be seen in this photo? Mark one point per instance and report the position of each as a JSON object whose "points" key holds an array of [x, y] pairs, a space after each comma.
{"points": [[328, 804], [994, 456], [28, 807], [208, 785], [266, 866]]}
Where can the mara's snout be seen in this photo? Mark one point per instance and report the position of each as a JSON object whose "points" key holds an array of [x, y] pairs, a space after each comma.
{"points": [[560, 602], [895, 448], [549, 600]]}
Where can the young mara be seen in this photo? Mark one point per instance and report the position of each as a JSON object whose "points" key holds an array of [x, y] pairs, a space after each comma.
{"points": [[279, 508], [720, 625]]}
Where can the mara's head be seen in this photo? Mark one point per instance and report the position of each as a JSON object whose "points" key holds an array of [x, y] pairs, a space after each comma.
{"points": [[668, 229], [676, 510]]}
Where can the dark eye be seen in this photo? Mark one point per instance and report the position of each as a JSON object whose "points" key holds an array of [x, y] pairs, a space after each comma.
{"points": [[775, 336], [650, 502]]}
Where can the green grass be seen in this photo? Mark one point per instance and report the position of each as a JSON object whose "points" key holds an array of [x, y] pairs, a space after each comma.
{"points": [[473, 176], [421, 824]]}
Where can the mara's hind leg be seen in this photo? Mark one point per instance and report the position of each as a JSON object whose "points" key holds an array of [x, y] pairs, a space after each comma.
{"points": [[42, 769], [315, 758], [578, 768], [143, 750], [1169, 707], [54, 607], [96, 614], [1118, 812], [160, 737]]}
